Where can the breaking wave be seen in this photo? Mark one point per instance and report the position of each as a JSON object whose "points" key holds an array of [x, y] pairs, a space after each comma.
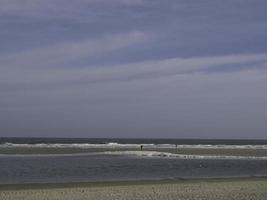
{"points": [[118, 145], [179, 156], [144, 154]]}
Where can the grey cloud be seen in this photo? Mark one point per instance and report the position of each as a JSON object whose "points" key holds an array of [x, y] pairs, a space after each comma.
{"points": [[212, 103], [58, 54], [145, 68], [126, 72]]}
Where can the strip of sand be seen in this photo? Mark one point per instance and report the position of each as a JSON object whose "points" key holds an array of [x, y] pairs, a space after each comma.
{"points": [[182, 151], [223, 188]]}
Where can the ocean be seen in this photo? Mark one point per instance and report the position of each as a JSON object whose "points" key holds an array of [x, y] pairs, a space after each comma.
{"points": [[31, 140], [56, 160]]}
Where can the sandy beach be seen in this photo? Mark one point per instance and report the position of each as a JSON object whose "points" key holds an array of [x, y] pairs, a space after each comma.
{"points": [[228, 188]]}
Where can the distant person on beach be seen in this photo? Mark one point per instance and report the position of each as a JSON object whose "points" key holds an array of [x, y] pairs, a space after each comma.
{"points": [[141, 147]]}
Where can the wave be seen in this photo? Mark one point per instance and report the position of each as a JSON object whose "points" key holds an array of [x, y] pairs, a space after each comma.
{"points": [[179, 156], [73, 145], [118, 145], [144, 154]]}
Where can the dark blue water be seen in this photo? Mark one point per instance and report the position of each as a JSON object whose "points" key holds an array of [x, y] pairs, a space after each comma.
{"points": [[129, 141], [36, 169], [79, 168]]}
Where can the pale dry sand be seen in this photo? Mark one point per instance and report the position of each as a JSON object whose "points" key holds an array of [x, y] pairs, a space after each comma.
{"points": [[216, 189]]}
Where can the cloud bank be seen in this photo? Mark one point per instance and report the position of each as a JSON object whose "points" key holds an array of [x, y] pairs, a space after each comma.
{"points": [[124, 68]]}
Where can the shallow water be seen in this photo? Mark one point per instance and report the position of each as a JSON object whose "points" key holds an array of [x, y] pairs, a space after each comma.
{"points": [[78, 160], [79, 168]]}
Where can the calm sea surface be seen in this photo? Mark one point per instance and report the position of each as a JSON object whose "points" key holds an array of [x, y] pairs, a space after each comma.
{"points": [[129, 141], [92, 167]]}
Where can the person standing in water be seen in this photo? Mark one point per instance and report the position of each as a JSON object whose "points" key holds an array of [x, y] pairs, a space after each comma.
{"points": [[141, 147]]}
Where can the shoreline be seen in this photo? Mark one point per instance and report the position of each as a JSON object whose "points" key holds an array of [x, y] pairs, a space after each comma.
{"points": [[59, 185]]}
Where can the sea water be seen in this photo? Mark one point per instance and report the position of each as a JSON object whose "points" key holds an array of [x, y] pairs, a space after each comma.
{"points": [[123, 165]]}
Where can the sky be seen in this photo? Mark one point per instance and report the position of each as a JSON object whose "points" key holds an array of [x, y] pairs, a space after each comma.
{"points": [[133, 68]]}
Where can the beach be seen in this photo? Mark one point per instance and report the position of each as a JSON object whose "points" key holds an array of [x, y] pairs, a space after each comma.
{"points": [[219, 189], [81, 169]]}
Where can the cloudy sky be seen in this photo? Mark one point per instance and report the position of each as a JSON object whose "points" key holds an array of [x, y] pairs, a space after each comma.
{"points": [[133, 68]]}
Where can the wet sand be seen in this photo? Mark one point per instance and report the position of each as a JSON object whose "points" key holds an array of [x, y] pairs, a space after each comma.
{"points": [[219, 189]]}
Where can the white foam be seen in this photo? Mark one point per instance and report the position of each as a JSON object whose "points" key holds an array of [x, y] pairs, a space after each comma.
{"points": [[179, 156], [118, 145], [148, 154], [73, 145]]}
